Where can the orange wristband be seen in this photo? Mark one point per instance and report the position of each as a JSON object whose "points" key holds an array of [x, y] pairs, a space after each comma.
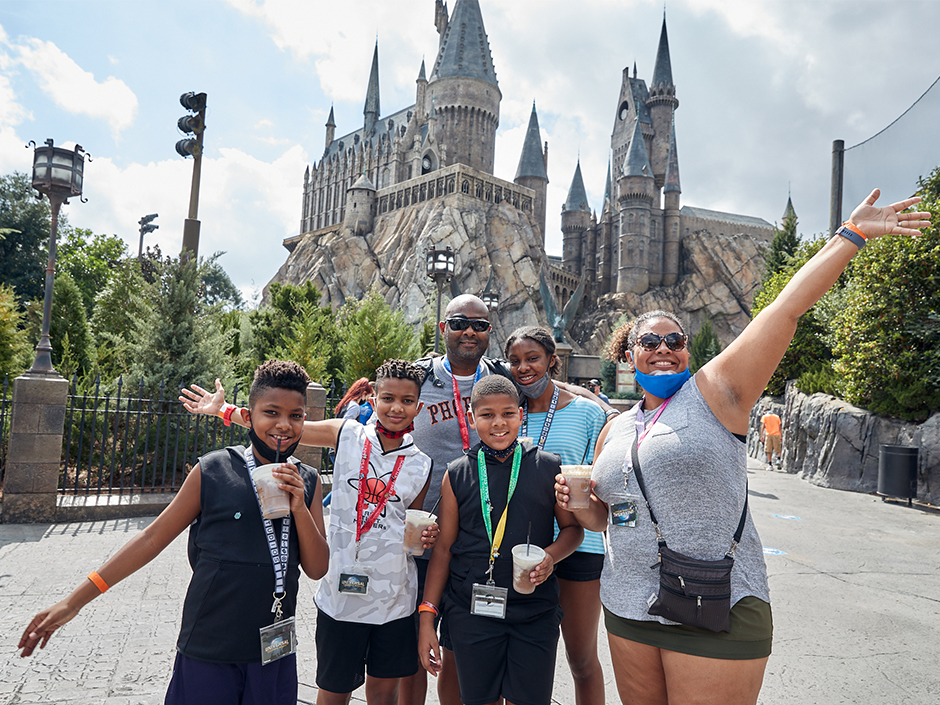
{"points": [[226, 413], [854, 228], [98, 581], [428, 607]]}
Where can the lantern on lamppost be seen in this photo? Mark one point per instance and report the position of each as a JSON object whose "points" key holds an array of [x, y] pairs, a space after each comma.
{"points": [[440, 267], [490, 297], [59, 174]]}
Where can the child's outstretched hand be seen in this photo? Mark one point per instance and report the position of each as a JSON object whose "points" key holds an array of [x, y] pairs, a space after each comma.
{"points": [[201, 401], [429, 536], [543, 570], [289, 480], [43, 625]]}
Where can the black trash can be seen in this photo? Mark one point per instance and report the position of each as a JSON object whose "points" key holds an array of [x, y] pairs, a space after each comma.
{"points": [[897, 472]]}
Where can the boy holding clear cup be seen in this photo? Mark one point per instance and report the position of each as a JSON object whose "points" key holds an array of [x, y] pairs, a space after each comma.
{"points": [[499, 495]]}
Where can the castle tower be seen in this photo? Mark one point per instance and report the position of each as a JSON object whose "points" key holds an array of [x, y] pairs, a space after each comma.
{"points": [[330, 130], [607, 244], [464, 85], [636, 185], [662, 104], [789, 210], [533, 171], [421, 96], [575, 219], [672, 238], [631, 108], [360, 206], [371, 110]]}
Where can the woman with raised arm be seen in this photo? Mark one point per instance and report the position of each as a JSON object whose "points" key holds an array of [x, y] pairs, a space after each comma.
{"points": [[670, 488]]}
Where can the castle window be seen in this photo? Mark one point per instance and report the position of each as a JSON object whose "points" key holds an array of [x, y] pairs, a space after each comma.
{"points": [[624, 110], [465, 186]]}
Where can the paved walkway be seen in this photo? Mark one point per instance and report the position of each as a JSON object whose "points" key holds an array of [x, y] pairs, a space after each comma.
{"points": [[855, 584]]}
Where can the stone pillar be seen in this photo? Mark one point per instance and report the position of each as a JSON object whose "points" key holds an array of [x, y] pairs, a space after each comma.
{"points": [[563, 351], [31, 478], [316, 411]]}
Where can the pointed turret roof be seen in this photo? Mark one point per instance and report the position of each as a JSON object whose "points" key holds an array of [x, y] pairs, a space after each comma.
{"points": [[331, 122], [672, 162], [421, 75], [532, 162], [372, 94], [607, 185], [363, 182], [465, 48], [577, 196], [637, 162], [662, 72], [789, 210]]}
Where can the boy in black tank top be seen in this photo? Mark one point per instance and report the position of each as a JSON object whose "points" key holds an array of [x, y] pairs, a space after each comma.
{"points": [[499, 495]]}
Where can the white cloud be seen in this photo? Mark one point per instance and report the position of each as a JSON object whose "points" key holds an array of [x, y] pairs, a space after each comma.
{"points": [[76, 90]]}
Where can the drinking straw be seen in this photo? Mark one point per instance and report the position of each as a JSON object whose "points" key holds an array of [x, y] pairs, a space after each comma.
{"points": [[586, 449], [435, 505], [527, 537], [277, 458]]}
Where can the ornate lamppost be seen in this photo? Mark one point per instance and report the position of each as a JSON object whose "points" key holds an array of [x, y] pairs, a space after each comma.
{"points": [[490, 298], [58, 173], [440, 267]]}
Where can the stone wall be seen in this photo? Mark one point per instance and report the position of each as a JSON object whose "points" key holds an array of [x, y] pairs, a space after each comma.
{"points": [[831, 443]]}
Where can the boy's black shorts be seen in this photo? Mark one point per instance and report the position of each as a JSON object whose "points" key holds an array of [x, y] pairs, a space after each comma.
{"points": [[345, 650], [496, 658]]}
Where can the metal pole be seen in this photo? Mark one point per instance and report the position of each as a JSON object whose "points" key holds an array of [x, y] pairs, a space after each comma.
{"points": [[437, 323], [191, 224], [835, 188], [43, 362]]}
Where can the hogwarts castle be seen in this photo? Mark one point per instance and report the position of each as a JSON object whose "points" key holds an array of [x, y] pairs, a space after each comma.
{"points": [[376, 188]]}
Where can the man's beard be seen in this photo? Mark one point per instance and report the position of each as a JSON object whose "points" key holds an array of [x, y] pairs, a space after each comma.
{"points": [[456, 352]]}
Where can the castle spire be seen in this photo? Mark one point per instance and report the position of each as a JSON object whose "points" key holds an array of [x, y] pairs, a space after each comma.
{"points": [[662, 72], [421, 74], [465, 48], [789, 210], [532, 161], [672, 163], [577, 195], [607, 185], [371, 111], [637, 162]]}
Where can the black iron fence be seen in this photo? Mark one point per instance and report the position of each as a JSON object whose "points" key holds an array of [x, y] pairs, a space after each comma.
{"points": [[5, 406], [125, 443]]}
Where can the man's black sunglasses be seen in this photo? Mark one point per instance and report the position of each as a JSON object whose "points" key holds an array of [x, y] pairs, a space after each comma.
{"points": [[480, 325]]}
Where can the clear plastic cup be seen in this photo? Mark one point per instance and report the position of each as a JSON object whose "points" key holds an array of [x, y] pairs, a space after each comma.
{"points": [[416, 521], [524, 559], [578, 480], [275, 502]]}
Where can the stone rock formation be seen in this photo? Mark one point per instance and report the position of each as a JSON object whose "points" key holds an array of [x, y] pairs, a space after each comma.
{"points": [[831, 443]]}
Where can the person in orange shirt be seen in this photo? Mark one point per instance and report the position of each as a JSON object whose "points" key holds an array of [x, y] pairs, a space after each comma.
{"points": [[770, 436]]}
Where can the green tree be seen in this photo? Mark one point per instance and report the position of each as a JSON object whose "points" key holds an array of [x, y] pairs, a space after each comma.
{"points": [[703, 346], [69, 332], [26, 221], [808, 347], [180, 341], [14, 345], [217, 286], [782, 247], [371, 333], [888, 345], [270, 324], [307, 345], [89, 259]]}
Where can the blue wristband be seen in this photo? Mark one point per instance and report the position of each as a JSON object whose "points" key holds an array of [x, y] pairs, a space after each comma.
{"points": [[852, 236]]}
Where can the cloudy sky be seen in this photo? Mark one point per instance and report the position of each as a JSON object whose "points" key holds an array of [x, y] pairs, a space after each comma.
{"points": [[764, 87]]}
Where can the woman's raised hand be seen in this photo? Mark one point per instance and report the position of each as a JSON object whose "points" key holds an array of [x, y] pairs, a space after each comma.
{"points": [[894, 219], [201, 401]]}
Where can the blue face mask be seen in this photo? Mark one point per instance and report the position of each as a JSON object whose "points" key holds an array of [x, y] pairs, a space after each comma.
{"points": [[662, 386]]}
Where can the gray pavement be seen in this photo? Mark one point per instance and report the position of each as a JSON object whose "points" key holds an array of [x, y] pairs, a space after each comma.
{"points": [[855, 584]]}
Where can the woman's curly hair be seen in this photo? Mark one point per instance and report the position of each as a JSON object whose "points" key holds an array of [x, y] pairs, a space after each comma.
{"points": [[624, 338]]}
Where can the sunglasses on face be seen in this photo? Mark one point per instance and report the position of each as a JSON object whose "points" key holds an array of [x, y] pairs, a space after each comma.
{"points": [[651, 341], [480, 325]]}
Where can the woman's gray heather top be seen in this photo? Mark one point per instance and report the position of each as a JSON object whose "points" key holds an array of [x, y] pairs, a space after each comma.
{"points": [[695, 473]]}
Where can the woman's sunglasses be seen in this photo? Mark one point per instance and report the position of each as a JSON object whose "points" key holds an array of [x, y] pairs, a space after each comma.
{"points": [[480, 325], [651, 341]]}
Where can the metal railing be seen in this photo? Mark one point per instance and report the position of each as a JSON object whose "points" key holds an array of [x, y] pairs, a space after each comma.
{"points": [[132, 444]]}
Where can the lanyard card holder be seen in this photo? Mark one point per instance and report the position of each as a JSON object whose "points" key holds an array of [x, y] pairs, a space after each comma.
{"points": [[489, 601], [624, 513], [355, 580], [278, 640]]}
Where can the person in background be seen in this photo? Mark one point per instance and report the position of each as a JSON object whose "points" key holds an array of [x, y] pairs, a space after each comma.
{"points": [[771, 437], [357, 396], [595, 386]]}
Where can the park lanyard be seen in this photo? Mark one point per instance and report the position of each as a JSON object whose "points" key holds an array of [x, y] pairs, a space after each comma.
{"points": [[641, 433], [496, 540], [279, 556], [548, 418], [362, 528], [458, 403]]}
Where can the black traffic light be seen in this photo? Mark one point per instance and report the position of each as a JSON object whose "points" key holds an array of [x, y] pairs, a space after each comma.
{"points": [[192, 124], [146, 224]]}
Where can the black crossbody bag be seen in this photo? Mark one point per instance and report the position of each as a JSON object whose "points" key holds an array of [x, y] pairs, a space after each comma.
{"points": [[692, 591]]}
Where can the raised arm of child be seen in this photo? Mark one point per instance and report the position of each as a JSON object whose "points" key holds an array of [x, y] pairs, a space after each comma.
{"points": [[438, 572], [321, 434], [135, 554]]}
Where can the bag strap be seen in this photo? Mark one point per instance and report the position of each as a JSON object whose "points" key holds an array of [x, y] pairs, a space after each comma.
{"points": [[739, 532]]}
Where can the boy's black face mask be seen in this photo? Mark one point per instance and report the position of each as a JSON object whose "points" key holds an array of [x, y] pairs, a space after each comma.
{"points": [[268, 453]]}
